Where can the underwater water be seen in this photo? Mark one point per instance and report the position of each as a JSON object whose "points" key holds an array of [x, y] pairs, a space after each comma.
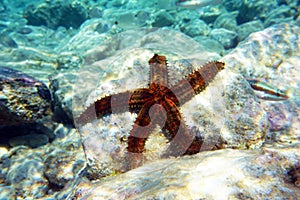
{"points": [[170, 99]]}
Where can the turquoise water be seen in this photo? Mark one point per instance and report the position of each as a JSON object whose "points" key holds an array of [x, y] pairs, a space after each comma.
{"points": [[81, 51]]}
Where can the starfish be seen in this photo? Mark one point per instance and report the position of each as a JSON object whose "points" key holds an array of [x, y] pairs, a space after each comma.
{"points": [[159, 104]]}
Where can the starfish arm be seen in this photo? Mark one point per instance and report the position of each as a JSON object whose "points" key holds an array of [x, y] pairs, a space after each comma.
{"points": [[173, 119], [138, 135], [183, 91], [141, 129], [197, 81], [176, 131], [138, 98], [203, 76], [158, 70], [115, 103]]}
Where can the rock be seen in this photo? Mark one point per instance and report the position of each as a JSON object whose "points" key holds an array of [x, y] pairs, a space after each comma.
{"points": [[269, 54], [227, 38], [167, 4], [32, 140], [96, 12], [295, 175], [102, 28], [62, 95], [162, 18], [210, 44], [7, 41], [222, 174], [254, 10], [284, 122], [36, 56], [54, 14], [69, 166], [142, 18], [210, 14], [85, 39], [129, 19], [26, 176], [280, 15], [185, 15], [44, 172], [279, 119], [291, 3], [3, 151], [29, 134], [232, 5], [244, 30], [2, 6], [226, 21], [64, 160], [7, 192], [23, 99], [196, 28], [116, 3], [36, 52], [272, 55]]}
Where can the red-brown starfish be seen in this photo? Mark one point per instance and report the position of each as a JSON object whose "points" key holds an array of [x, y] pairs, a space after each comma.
{"points": [[158, 104]]}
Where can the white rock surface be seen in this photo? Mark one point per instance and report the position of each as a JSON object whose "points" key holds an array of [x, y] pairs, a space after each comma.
{"points": [[222, 174]]}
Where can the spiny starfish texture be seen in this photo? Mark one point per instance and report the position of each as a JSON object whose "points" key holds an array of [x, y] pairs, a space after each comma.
{"points": [[159, 104]]}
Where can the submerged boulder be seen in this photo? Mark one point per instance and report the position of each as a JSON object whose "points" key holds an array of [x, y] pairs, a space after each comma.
{"points": [[25, 110], [23, 99]]}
